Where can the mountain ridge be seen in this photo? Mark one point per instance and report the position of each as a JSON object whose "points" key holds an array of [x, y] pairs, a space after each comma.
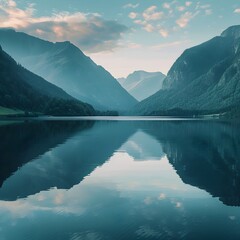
{"points": [[65, 65], [204, 79], [23, 90], [142, 84]]}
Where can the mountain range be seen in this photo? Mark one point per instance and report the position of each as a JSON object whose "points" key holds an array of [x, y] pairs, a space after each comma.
{"points": [[20, 89], [66, 66], [142, 84], [204, 79]]}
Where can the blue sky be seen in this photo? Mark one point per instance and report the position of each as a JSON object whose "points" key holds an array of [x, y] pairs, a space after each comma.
{"points": [[124, 35]]}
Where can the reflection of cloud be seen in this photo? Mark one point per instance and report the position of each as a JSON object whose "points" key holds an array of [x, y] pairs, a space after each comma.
{"points": [[148, 200], [178, 204], [162, 196], [147, 232], [90, 31]]}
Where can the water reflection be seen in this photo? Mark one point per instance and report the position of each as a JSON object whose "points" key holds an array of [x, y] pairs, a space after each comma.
{"points": [[206, 155], [120, 180], [66, 164]]}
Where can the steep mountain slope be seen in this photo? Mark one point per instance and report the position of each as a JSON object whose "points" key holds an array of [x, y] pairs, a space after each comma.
{"points": [[204, 79], [23, 90], [64, 65], [141, 84]]}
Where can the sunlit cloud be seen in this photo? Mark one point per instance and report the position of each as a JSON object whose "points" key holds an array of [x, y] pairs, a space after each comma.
{"points": [[90, 31], [149, 27], [237, 10], [163, 32], [185, 18], [132, 15], [170, 18], [150, 14], [181, 8], [130, 5], [188, 4], [166, 6]]}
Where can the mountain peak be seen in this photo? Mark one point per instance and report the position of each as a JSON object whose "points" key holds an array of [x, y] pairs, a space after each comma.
{"points": [[233, 31], [65, 43]]}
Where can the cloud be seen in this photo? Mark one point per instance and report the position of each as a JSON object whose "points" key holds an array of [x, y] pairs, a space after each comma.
{"points": [[89, 31], [150, 14], [149, 27], [132, 15], [163, 32], [166, 6], [130, 5], [169, 44], [208, 11], [237, 10], [185, 18], [181, 8], [188, 4]]}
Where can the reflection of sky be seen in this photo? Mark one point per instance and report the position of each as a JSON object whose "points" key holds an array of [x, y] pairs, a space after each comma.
{"points": [[141, 146], [122, 199]]}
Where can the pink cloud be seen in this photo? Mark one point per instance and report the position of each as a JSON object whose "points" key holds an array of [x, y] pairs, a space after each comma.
{"points": [[88, 30]]}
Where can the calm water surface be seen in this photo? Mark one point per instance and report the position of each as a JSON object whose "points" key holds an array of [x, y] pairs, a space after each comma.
{"points": [[113, 180]]}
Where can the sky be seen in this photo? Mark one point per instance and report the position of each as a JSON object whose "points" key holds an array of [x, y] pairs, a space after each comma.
{"points": [[124, 35]]}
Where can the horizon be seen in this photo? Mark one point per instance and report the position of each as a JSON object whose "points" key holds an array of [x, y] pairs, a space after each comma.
{"points": [[128, 36]]}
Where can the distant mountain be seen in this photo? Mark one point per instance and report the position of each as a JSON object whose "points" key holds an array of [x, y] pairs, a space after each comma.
{"points": [[65, 65], [204, 79], [141, 84], [23, 90]]}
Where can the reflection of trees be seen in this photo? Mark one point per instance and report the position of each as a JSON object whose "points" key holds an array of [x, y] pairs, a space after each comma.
{"points": [[66, 165], [24, 142], [205, 154]]}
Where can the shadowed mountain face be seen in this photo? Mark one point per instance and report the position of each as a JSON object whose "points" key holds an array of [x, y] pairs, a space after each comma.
{"points": [[21, 89], [204, 154], [204, 78], [64, 65], [60, 166], [141, 84]]}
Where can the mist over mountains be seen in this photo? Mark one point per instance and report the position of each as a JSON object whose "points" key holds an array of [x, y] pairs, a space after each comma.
{"points": [[20, 89], [66, 66], [203, 80], [142, 84]]}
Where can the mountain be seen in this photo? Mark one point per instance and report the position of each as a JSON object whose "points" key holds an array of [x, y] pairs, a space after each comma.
{"points": [[23, 90], [204, 79], [65, 65], [141, 84]]}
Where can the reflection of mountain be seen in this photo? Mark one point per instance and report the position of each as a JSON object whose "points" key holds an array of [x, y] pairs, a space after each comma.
{"points": [[24, 142], [143, 147], [205, 154], [67, 164]]}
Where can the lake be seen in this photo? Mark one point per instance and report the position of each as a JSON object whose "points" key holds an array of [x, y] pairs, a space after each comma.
{"points": [[83, 179]]}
